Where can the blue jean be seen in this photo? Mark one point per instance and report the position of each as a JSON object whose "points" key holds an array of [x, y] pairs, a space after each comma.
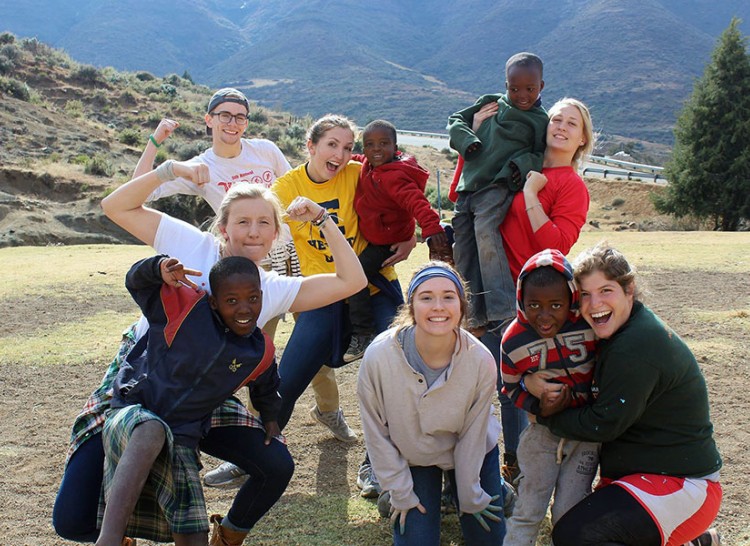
{"points": [[512, 418], [77, 502], [312, 345], [480, 256], [424, 529], [270, 468]]}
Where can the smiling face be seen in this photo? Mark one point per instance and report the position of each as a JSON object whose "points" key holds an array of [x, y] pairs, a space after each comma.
{"points": [[226, 134], [524, 85], [250, 229], [565, 131], [605, 305], [379, 146], [330, 154], [547, 307], [238, 300], [436, 305]]}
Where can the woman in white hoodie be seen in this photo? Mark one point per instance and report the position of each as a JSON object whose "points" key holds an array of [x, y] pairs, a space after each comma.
{"points": [[425, 388]]}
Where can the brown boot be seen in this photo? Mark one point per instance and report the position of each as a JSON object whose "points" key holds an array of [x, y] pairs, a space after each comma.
{"points": [[221, 536]]}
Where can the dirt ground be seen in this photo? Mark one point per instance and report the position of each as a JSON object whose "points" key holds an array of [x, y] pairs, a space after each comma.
{"points": [[38, 404]]}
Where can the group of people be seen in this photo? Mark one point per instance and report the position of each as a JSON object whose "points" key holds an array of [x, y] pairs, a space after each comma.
{"points": [[589, 379]]}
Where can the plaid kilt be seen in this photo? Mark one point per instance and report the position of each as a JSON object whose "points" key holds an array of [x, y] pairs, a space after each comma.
{"points": [[172, 499]]}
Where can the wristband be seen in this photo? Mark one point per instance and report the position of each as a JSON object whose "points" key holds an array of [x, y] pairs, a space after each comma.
{"points": [[321, 219], [165, 171], [532, 206], [522, 384], [153, 141]]}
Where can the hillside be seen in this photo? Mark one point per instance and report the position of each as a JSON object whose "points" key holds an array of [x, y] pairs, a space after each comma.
{"points": [[633, 62], [77, 132]]}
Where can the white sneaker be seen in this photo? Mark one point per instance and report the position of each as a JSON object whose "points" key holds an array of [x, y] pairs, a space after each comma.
{"points": [[225, 475], [368, 482], [336, 423]]}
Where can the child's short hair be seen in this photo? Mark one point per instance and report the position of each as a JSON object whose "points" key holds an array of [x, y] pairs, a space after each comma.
{"points": [[525, 59], [233, 265], [544, 276], [380, 124]]}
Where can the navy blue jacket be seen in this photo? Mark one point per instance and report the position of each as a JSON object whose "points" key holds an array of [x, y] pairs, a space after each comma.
{"points": [[189, 362]]}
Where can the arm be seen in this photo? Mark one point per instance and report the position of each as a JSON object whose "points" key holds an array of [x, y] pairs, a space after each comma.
{"points": [[624, 393], [472, 441], [125, 206], [319, 290], [567, 215], [163, 131], [463, 137], [390, 467], [264, 394]]}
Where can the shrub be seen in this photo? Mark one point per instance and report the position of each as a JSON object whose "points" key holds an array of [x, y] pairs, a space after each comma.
{"points": [[87, 74], [15, 88], [296, 131], [169, 89], [74, 108], [11, 51], [7, 38], [432, 196], [618, 201], [258, 116], [99, 165], [187, 150], [80, 159], [145, 76], [289, 145], [130, 137], [6, 65], [186, 76], [274, 134], [173, 79]]}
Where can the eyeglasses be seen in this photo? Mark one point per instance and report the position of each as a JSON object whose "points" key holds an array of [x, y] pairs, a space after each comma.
{"points": [[226, 117]]}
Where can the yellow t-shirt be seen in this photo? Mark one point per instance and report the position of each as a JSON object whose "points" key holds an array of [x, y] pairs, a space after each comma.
{"points": [[337, 197]]}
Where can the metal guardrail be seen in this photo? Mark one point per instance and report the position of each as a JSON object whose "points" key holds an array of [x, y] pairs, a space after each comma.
{"points": [[630, 175], [627, 165]]}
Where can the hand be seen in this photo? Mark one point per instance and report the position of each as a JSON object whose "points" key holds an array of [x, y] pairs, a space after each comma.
{"points": [[197, 173], [485, 112], [553, 402], [165, 129], [535, 181], [401, 251], [440, 248], [488, 513], [272, 431], [399, 516], [303, 209], [174, 273], [538, 382]]}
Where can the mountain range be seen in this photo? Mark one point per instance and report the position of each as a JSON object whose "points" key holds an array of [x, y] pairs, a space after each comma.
{"points": [[413, 62]]}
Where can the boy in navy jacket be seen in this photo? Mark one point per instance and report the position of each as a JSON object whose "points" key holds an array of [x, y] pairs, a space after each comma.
{"points": [[199, 349]]}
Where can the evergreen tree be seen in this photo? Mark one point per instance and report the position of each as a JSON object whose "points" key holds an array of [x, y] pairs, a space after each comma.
{"points": [[709, 171]]}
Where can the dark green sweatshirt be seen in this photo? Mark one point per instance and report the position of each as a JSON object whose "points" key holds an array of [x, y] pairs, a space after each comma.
{"points": [[651, 404], [511, 135]]}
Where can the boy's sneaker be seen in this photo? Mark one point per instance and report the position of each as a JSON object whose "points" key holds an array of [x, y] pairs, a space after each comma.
{"points": [[357, 347], [509, 502], [225, 475], [384, 504], [368, 482], [336, 423], [709, 538]]}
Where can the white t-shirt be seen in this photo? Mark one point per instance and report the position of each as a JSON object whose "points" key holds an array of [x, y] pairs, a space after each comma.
{"points": [[199, 250], [260, 162]]}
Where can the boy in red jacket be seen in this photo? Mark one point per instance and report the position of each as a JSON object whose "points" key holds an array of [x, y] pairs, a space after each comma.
{"points": [[389, 197]]}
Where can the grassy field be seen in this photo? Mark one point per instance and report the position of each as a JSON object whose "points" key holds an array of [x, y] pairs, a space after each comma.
{"points": [[64, 307]]}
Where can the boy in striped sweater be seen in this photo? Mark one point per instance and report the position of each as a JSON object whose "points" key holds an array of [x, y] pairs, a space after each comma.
{"points": [[548, 336]]}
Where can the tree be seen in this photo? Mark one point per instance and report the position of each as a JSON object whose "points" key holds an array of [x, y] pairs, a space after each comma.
{"points": [[709, 171]]}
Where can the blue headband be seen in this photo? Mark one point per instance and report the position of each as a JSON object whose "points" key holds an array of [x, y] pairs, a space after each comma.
{"points": [[433, 272]]}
